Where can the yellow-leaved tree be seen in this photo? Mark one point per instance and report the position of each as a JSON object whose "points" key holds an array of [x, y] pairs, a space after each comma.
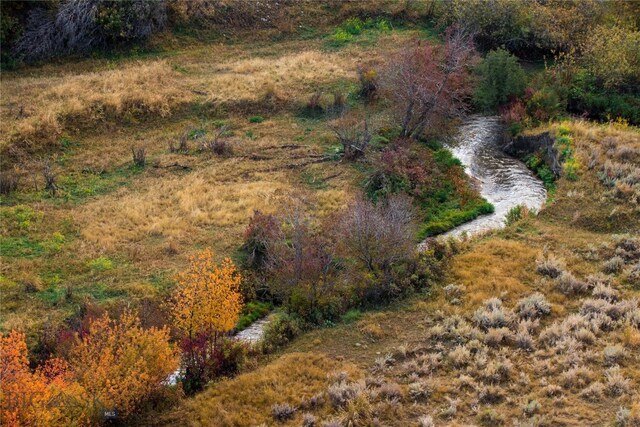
{"points": [[120, 363], [207, 299], [205, 305]]}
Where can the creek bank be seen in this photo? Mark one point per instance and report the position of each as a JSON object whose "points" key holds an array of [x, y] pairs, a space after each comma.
{"points": [[503, 179], [522, 147]]}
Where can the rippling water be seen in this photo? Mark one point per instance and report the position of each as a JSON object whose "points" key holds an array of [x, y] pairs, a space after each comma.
{"points": [[505, 182]]}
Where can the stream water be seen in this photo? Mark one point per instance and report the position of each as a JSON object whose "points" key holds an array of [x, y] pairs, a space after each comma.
{"points": [[504, 181]]}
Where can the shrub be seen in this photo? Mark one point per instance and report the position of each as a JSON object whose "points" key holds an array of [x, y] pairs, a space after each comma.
{"points": [[218, 144], [489, 417], [569, 285], [532, 407], [533, 306], [491, 394], [112, 361], [593, 392], [390, 391], [256, 119], [613, 265], [9, 181], [428, 82], [491, 315], [353, 135], [282, 412], [368, 78], [515, 214], [501, 79], [79, 27], [551, 267], [420, 390], [460, 356], [605, 292], [616, 383], [341, 393], [309, 420], [139, 156], [314, 106], [378, 235], [259, 235], [426, 421], [49, 178], [613, 355], [282, 329]]}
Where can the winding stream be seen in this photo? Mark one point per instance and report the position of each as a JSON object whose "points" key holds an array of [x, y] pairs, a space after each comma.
{"points": [[504, 181]]}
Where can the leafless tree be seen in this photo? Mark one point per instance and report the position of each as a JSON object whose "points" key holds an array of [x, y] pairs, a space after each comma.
{"points": [[49, 178], [354, 135], [298, 259], [76, 27], [378, 235], [139, 156], [218, 144], [427, 82]]}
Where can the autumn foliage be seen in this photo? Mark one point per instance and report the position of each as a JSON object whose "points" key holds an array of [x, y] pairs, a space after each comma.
{"points": [[115, 364], [207, 298], [122, 364], [206, 304], [27, 397]]}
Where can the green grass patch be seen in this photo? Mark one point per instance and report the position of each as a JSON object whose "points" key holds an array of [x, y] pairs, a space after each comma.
{"points": [[251, 312], [100, 264], [351, 316], [20, 247], [354, 28], [449, 215]]}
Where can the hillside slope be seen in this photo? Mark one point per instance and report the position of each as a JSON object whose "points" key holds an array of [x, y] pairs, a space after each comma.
{"points": [[536, 324]]}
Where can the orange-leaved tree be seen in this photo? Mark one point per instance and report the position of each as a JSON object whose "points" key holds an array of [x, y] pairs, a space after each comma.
{"points": [[206, 304], [40, 397], [120, 363]]}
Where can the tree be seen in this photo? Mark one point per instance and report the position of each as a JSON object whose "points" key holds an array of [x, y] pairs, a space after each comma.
{"points": [[120, 363], [427, 82], [354, 135], [301, 264], [26, 396], [378, 235], [205, 305], [501, 79], [612, 55]]}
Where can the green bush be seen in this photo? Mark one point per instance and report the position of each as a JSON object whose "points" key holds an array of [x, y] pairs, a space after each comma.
{"points": [[100, 264], [351, 316], [586, 95], [501, 79], [353, 26], [341, 37], [537, 165], [282, 329], [515, 214], [256, 119]]}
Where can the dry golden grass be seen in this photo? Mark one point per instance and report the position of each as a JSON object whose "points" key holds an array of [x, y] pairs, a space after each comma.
{"points": [[37, 110], [247, 399]]}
